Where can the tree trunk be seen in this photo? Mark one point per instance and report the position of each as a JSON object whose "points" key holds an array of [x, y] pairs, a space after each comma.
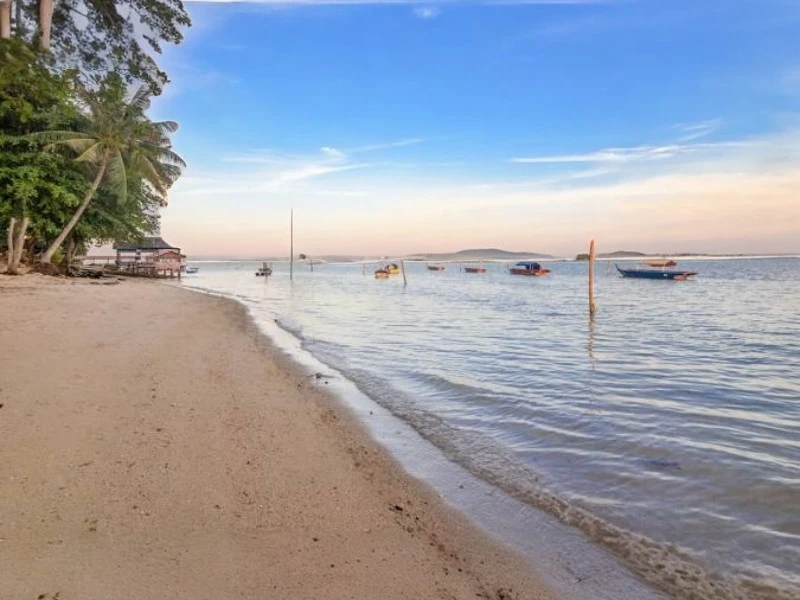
{"points": [[47, 257], [5, 19], [16, 244], [45, 21], [69, 253], [19, 242], [10, 254]]}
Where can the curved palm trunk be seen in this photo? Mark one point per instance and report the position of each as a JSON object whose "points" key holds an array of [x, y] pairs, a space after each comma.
{"points": [[47, 257], [45, 23]]}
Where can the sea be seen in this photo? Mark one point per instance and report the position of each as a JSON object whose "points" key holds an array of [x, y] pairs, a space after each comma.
{"points": [[666, 428]]}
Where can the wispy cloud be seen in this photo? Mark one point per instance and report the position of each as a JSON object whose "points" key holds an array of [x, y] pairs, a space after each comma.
{"points": [[273, 170], [386, 145], [626, 155], [693, 131], [739, 196], [427, 12]]}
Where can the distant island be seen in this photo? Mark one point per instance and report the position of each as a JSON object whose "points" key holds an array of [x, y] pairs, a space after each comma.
{"points": [[616, 254], [637, 254], [478, 254]]}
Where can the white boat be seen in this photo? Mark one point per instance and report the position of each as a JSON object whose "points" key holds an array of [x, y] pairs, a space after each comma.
{"points": [[191, 270]]}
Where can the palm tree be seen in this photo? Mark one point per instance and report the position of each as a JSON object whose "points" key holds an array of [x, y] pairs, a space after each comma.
{"points": [[117, 140]]}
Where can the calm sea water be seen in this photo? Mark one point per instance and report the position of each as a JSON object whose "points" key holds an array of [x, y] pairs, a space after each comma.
{"points": [[674, 414]]}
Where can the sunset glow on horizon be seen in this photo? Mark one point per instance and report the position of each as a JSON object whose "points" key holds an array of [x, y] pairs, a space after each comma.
{"points": [[530, 127]]}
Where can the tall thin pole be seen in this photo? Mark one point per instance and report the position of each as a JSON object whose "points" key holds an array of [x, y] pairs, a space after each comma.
{"points": [[291, 245], [403, 269], [592, 306]]}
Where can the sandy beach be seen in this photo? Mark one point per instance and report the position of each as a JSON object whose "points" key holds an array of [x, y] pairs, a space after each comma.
{"points": [[154, 445]]}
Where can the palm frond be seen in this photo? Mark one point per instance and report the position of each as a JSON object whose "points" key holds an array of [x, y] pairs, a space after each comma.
{"points": [[165, 127], [165, 155], [141, 98], [90, 154], [55, 136], [118, 175]]}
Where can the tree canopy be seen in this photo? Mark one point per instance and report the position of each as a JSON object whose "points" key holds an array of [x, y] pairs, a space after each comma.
{"points": [[80, 160]]}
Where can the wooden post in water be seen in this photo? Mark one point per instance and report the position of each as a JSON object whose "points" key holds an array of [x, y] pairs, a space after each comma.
{"points": [[403, 269], [291, 244], [592, 306]]}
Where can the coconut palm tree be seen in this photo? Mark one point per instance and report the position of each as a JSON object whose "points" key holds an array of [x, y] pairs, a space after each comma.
{"points": [[116, 140]]}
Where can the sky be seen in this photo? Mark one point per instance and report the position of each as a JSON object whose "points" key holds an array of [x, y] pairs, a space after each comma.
{"points": [[396, 126]]}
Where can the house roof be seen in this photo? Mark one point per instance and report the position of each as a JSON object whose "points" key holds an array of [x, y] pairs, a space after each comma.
{"points": [[148, 243]]}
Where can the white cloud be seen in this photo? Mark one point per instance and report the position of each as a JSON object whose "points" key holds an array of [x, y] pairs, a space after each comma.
{"points": [[333, 153], [427, 12], [386, 145], [630, 154], [738, 196], [693, 131]]}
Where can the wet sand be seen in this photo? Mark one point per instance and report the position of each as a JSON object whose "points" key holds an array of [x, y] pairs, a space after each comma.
{"points": [[153, 445]]}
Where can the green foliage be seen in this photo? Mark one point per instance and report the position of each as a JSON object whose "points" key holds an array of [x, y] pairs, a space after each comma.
{"points": [[32, 97], [102, 36], [110, 219], [44, 186], [41, 185], [58, 136], [118, 135]]}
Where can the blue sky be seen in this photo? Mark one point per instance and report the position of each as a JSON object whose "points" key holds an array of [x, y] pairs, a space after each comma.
{"points": [[396, 127]]}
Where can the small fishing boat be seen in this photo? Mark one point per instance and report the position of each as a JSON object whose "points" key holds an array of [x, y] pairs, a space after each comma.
{"points": [[191, 270], [531, 269], [264, 271], [656, 274], [435, 267], [660, 263], [475, 269], [381, 274], [392, 269]]}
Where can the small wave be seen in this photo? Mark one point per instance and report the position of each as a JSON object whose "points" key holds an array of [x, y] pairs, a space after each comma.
{"points": [[670, 568]]}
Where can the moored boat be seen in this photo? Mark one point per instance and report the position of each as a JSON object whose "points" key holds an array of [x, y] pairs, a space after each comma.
{"points": [[435, 267], [656, 273], [475, 269], [392, 269], [381, 274], [531, 269], [264, 271], [191, 270], [660, 263]]}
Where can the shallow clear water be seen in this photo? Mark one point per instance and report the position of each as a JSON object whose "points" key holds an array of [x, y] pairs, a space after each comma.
{"points": [[674, 413]]}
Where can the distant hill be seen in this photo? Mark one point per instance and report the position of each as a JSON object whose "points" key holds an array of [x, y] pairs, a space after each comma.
{"points": [[616, 254], [478, 254]]}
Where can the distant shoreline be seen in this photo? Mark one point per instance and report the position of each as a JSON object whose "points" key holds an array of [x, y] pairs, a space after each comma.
{"points": [[323, 259]]}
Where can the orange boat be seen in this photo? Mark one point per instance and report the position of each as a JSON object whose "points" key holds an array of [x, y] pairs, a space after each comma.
{"points": [[531, 269], [381, 274]]}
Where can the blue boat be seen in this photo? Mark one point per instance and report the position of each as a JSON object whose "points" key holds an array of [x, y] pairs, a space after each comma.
{"points": [[656, 273]]}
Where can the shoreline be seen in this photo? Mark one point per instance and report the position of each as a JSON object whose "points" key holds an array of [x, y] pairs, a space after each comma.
{"points": [[154, 440], [559, 554], [577, 540]]}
